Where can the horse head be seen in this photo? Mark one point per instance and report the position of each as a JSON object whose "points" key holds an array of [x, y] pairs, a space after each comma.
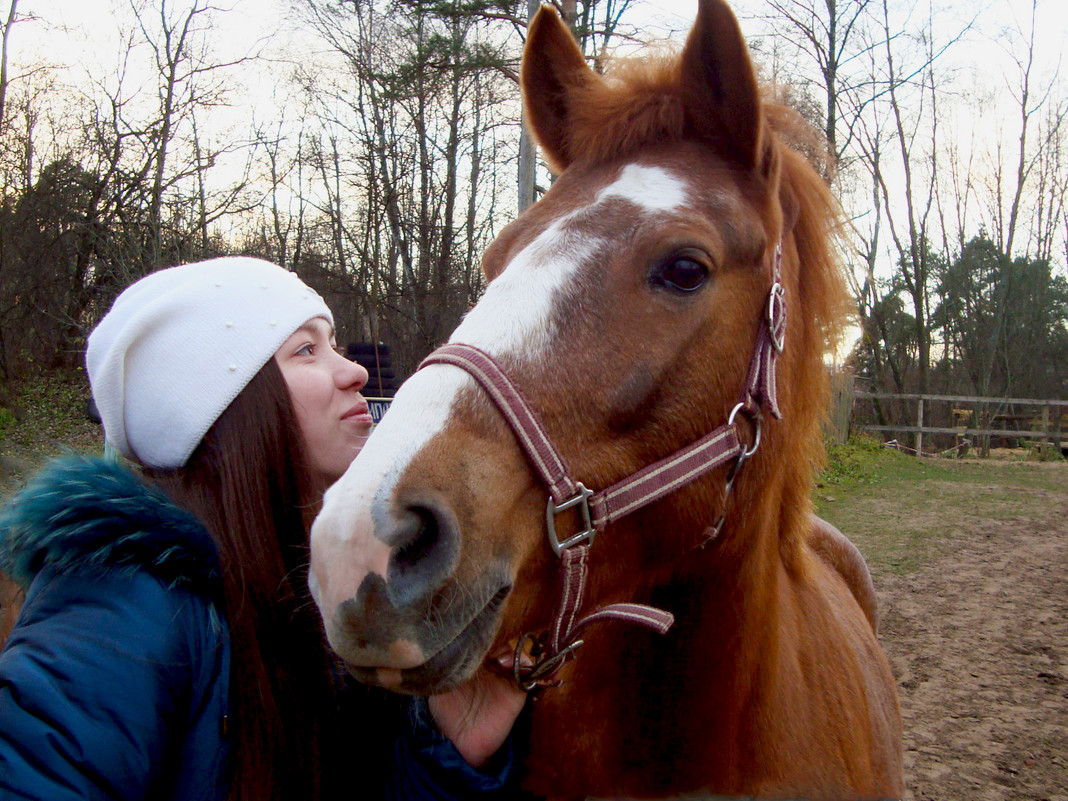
{"points": [[625, 304]]}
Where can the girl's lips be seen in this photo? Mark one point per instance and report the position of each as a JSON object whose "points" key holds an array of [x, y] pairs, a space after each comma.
{"points": [[358, 414]]}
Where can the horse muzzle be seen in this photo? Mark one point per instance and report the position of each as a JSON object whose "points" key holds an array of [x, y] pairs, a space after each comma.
{"points": [[394, 608]]}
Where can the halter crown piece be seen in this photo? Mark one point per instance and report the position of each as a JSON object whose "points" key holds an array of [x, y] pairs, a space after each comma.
{"points": [[600, 509]]}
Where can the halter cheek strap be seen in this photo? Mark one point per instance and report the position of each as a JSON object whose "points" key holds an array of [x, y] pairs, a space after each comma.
{"points": [[599, 509]]}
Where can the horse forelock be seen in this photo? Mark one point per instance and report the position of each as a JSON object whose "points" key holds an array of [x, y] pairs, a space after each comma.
{"points": [[642, 104], [639, 103]]}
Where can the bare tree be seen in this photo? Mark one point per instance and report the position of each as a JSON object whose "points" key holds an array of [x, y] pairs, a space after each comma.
{"points": [[12, 18], [407, 125], [527, 149], [99, 189], [597, 27], [913, 236], [285, 155], [837, 36], [1011, 181], [188, 80], [1050, 185]]}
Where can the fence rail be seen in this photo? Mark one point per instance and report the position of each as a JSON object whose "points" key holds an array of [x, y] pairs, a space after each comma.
{"points": [[964, 399], [1044, 425]]}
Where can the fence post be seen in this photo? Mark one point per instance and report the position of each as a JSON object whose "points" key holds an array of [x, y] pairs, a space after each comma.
{"points": [[1057, 412], [919, 425], [1045, 433]]}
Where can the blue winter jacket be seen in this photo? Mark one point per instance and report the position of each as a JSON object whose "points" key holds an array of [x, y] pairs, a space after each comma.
{"points": [[114, 683]]}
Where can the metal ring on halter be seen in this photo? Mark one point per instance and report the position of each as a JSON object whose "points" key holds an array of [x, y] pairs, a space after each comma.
{"points": [[517, 665], [776, 308], [755, 419], [541, 672]]}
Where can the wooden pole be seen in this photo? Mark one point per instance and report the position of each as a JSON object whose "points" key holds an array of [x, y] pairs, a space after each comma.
{"points": [[528, 151], [919, 425], [1045, 432]]}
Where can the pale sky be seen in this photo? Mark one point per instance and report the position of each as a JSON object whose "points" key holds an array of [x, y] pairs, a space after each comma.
{"points": [[83, 33], [90, 22]]}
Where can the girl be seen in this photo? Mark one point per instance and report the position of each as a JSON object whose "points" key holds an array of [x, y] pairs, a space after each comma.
{"points": [[167, 647]]}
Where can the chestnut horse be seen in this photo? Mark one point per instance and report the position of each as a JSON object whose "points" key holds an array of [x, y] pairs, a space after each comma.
{"points": [[635, 324]]}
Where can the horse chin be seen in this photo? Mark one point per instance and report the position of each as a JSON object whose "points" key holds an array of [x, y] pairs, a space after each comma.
{"points": [[451, 666]]}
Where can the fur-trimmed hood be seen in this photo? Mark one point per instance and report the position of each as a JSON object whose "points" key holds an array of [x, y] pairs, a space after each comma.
{"points": [[90, 514]]}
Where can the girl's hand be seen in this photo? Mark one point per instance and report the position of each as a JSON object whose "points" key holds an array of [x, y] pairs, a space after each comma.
{"points": [[479, 715]]}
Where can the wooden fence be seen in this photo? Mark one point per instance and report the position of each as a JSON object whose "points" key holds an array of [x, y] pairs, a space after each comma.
{"points": [[975, 419], [840, 413]]}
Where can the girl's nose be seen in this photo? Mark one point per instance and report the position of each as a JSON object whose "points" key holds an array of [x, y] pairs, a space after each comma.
{"points": [[350, 375]]}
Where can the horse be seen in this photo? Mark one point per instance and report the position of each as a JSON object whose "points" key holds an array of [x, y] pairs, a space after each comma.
{"points": [[608, 467]]}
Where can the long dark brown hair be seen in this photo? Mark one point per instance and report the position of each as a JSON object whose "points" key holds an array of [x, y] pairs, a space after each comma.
{"points": [[250, 483]]}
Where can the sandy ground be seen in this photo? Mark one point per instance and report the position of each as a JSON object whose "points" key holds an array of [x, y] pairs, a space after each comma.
{"points": [[978, 638]]}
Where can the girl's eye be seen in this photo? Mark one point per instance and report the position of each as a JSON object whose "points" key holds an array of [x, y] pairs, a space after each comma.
{"points": [[680, 274], [306, 350]]}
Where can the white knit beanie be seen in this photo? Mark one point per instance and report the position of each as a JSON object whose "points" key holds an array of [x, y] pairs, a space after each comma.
{"points": [[180, 344]]}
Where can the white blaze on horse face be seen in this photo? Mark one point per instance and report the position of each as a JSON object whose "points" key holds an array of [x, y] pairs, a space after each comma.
{"points": [[514, 318], [515, 314], [651, 188]]}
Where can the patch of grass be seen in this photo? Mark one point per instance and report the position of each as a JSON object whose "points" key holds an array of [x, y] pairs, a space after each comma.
{"points": [[861, 460], [40, 417], [8, 420], [899, 508]]}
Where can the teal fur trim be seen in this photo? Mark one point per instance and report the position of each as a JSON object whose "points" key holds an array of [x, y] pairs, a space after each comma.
{"points": [[90, 514]]}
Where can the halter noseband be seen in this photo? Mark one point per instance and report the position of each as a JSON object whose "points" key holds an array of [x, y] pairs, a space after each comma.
{"points": [[600, 509]]}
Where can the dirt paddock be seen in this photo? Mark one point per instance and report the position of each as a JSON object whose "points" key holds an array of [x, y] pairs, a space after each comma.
{"points": [[978, 638], [976, 629]]}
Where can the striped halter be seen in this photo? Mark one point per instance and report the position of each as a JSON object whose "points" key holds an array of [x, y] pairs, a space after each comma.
{"points": [[550, 650]]}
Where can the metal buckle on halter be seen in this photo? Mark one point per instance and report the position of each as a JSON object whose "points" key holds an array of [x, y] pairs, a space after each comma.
{"points": [[582, 500], [540, 674], [776, 309]]}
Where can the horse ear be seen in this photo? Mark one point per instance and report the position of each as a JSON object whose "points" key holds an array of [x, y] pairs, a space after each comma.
{"points": [[553, 69], [719, 84]]}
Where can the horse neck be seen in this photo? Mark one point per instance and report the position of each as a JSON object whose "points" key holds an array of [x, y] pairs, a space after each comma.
{"points": [[717, 588], [734, 580], [695, 692]]}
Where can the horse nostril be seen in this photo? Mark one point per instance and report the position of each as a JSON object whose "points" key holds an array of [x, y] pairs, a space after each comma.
{"points": [[424, 554], [413, 551]]}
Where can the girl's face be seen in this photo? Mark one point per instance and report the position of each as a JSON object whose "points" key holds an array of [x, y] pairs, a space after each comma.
{"points": [[325, 388]]}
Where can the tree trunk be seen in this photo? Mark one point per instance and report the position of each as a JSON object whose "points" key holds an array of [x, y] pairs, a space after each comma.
{"points": [[3, 61], [528, 155]]}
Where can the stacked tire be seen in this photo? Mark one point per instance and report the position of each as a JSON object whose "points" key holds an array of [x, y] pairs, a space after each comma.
{"points": [[374, 357]]}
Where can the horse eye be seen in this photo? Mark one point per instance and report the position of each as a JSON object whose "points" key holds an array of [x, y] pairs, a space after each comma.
{"points": [[681, 274]]}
